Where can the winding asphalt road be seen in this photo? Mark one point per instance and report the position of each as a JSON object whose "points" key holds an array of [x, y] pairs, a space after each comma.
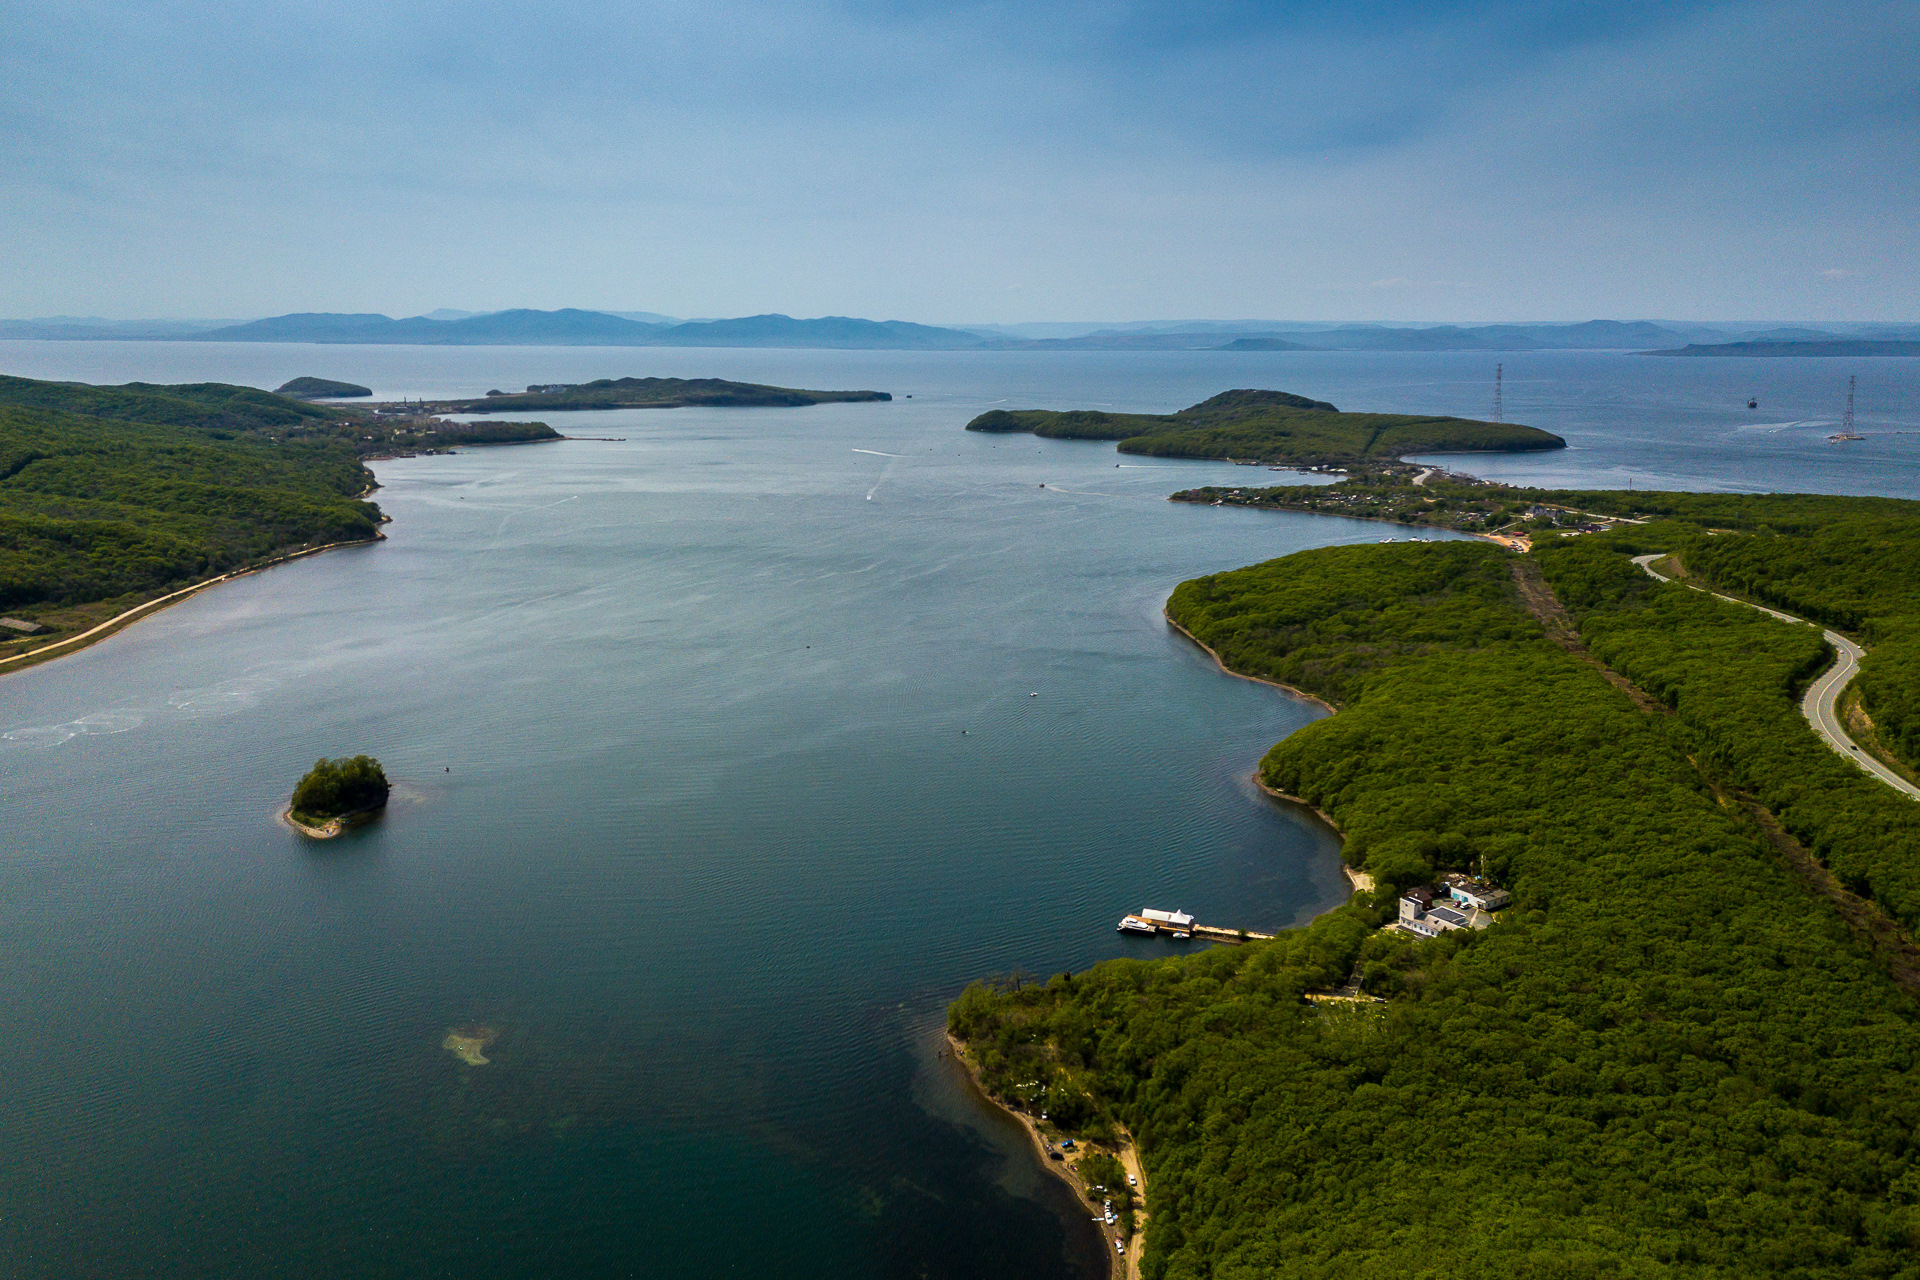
{"points": [[1820, 705]]}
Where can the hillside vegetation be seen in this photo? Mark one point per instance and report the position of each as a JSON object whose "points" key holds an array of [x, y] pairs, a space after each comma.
{"points": [[129, 491], [1271, 427], [656, 393], [1669, 1057]]}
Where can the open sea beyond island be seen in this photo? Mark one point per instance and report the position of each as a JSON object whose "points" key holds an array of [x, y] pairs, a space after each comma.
{"points": [[718, 771]]}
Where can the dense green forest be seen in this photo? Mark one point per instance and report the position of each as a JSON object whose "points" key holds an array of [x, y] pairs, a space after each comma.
{"points": [[1271, 427], [119, 493], [1857, 570], [1733, 674], [1849, 563], [115, 491], [336, 788], [1669, 1057], [653, 393]]}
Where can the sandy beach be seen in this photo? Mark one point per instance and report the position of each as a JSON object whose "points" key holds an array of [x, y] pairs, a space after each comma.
{"points": [[120, 621]]}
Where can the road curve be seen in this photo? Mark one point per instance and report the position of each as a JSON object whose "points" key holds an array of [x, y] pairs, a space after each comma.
{"points": [[1821, 703]]}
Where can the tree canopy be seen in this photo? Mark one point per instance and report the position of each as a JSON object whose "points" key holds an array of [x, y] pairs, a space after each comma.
{"points": [[1271, 426], [1668, 1057], [335, 788]]}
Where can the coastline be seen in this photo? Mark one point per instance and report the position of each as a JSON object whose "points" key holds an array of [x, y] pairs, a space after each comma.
{"points": [[332, 827], [1296, 801], [121, 621], [1288, 689], [1508, 541], [1119, 1267], [1359, 880]]}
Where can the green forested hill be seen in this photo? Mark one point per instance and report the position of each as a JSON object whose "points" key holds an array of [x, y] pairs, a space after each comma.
{"points": [[1733, 674], [109, 492], [214, 406], [657, 393], [1670, 1057], [1271, 426]]}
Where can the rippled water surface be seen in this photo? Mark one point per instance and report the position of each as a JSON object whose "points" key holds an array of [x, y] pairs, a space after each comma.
{"points": [[726, 754]]}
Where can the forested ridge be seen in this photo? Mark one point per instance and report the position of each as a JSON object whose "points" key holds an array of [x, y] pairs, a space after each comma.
{"points": [[110, 492], [1271, 426], [656, 393], [123, 493], [1669, 1057]]}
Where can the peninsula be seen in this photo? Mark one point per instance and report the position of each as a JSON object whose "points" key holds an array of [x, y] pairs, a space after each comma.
{"points": [[118, 499], [1273, 427], [651, 393], [1710, 937]]}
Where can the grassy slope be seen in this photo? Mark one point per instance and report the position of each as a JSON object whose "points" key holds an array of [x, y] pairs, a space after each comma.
{"points": [[1269, 426], [1669, 1059]]}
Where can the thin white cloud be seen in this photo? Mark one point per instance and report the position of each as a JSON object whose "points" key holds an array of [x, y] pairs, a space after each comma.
{"points": [[918, 161]]}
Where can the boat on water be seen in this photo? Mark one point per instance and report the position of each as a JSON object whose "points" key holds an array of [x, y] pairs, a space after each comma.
{"points": [[1152, 920]]}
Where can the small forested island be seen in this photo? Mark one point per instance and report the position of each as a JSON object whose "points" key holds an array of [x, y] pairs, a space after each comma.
{"points": [[335, 792], [1273, 427], [652, 393], [322, 389], [114, 497], [1691, 1044]]}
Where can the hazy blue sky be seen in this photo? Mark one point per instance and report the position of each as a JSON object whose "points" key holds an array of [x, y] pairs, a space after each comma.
{"points": [[941, 160]]}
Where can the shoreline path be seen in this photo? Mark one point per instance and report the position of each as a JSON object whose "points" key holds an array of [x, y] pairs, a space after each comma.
{"points": [[1820, 705]]}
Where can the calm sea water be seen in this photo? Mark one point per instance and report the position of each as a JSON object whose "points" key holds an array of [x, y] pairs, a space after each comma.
{"points": [[726, 754]]}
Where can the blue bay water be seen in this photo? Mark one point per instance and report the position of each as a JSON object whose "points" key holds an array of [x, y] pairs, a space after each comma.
{"points": [[720, 772]]}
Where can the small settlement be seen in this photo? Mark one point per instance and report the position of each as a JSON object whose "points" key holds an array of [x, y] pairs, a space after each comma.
{"points": [[1454, 901]]}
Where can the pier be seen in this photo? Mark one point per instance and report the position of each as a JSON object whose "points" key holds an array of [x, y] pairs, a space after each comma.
{"points": [[1179, 924]]}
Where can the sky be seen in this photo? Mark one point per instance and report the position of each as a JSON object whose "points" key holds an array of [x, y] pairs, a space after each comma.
{"points": [[964, 161]]}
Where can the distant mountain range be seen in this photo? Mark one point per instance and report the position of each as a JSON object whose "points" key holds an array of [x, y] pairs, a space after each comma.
{"points": [[571, 327], [574, 327]]}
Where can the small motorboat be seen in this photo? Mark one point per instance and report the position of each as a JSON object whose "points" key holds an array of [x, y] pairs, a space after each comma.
{"points": [[1753, 404]]}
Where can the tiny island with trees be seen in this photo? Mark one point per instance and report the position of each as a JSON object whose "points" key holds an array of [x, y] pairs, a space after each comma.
{"points": [[336, 793]]}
